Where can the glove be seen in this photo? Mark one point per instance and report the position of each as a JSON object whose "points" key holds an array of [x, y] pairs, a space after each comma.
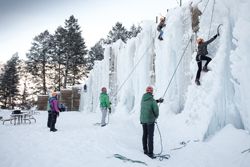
{"points": [[109, 110], [215, 36], [160, 100]]}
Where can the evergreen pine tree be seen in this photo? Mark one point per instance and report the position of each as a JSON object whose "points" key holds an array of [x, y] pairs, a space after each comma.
{"points": [[96, 53], [117, 32], [59, 56], [134, 31], [75, 51], [9, 82], [39, 57], [26, 87]]}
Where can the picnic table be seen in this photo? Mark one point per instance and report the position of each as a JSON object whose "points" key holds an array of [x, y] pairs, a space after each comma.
{"points": [[20, 117]]}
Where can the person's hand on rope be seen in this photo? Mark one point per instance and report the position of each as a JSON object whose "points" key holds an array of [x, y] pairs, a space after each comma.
{"points": [[160, 100]]}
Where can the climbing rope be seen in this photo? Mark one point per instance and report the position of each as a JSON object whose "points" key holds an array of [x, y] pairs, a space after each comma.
{"points": [[131, 72], [211, 15], [160, 154], [176, 67], [247, 150], [177, 2], [128, 159], [205, 6], [129, 76], [211, 20]]}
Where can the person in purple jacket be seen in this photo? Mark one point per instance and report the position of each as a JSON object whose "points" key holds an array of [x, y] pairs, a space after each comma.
{"points": [[53, 102]]}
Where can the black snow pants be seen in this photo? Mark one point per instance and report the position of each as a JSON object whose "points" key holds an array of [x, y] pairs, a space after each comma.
{"points": [[49, 118], [199, 59], [53, 121], [148, 138]]}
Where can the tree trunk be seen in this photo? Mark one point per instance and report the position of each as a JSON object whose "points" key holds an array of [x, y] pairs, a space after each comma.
{"points": [[44, 78], [59, 73], [5, 102], [66, 72], [74, 72]]}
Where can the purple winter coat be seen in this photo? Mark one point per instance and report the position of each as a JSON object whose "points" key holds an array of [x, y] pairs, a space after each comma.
{"points": [[54, 104]]}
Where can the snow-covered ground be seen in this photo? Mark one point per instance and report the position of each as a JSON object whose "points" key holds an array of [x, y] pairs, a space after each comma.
{"points": [[78, 142]]}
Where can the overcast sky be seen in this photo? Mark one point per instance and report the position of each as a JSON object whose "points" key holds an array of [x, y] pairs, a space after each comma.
{"points": [[22, 20]]}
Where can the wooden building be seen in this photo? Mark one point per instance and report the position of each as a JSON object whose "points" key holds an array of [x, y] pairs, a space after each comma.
{"points": [[69, 97]]}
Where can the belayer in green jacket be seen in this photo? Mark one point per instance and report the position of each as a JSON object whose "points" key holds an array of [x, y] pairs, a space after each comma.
{"points": [[104, 105], [149, 113]]}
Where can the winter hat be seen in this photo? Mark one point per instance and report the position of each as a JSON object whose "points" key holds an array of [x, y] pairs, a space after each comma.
{"points": [[104, 89], [149, 89]]}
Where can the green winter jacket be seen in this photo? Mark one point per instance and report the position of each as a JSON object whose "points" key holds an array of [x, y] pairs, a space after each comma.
{"points": [[104, 100], [149, 109]]}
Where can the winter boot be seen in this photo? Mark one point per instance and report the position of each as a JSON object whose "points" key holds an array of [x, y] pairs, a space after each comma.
{"points": [[103, 125], [197, 82], [205, 69], [160, 38], [53, 130], [152, 156]]}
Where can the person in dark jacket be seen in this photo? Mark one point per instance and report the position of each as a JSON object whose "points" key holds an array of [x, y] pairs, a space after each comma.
{"points": [[85, 88], [149, 114], [104, 105], [54, 109], [160, 26], [201, 55]]}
